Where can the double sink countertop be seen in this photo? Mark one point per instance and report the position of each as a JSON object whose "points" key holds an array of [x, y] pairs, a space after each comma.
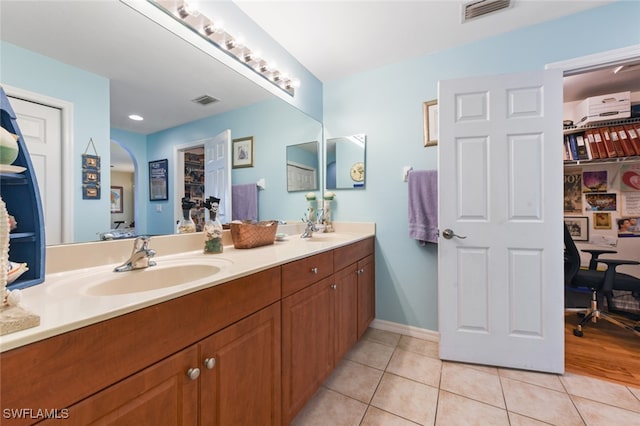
{"points": [[80, 287]]}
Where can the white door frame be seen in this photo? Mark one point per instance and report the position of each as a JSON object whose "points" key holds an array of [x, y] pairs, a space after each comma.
{"points": [[66, 136], [597, 60]]}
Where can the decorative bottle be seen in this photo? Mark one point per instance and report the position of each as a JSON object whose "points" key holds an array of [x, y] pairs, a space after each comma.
{"points": [[186, 224], [212, 227]]}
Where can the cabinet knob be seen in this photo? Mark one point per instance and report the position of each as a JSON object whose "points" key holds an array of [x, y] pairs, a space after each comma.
{"points": [[193, 373], [314, 270], [210, 363], [333, 286]]}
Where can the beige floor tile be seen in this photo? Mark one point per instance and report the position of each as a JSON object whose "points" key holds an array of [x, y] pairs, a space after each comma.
{"points": [[518, 420], [598, 414], [330, 408], [601, 391], [423, 347], [472, 383], [416, 367], [540, 403], [551, 381], [485, 368], [376, 417], [370, 353], [382, 336], [457, 410], [354, 380], [405, 398]]}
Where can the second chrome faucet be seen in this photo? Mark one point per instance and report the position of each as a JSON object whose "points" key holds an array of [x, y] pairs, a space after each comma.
{"points": [[140, 256]]}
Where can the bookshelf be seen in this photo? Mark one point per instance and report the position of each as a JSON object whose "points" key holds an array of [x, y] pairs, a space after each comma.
{"points": [[604, 142], [22, 197]]}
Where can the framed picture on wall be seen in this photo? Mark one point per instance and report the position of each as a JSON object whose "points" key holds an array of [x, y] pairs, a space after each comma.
{"points": [[116, 199], [158, 180], [578, 227], [430, 112], [242, 155], [602, 220]]}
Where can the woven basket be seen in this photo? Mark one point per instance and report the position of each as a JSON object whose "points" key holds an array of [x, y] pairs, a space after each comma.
{"points": [[247, 235]]}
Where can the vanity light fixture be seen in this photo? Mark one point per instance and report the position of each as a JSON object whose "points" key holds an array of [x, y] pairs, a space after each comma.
{"points": [[212, 31]]}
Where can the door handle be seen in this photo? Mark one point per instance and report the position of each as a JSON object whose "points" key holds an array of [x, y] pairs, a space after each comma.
{"points": [[449, 234]]}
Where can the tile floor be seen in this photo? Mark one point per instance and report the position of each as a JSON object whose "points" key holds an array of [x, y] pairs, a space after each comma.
{"points": [[389, 379]]}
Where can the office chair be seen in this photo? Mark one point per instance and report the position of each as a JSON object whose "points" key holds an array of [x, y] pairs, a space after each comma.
{"points": [[599, 282]]}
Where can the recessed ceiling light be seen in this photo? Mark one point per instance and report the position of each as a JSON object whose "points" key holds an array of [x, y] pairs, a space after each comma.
{"points": [[136, 117]]}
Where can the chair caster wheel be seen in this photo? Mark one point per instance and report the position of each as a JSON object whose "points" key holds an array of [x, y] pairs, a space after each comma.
{"points": [[578, 333]]}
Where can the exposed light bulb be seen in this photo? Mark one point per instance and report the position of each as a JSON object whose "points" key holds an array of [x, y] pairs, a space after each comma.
{"points": [[186, 9]]}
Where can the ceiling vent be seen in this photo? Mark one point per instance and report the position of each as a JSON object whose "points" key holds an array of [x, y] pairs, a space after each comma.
{"points": [[205, 100], [476, 9]]}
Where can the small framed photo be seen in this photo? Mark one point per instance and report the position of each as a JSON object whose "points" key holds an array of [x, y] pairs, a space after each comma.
{"points": [[158, 180], [430, 112], [242, 155], [116, 199], [578, 227], [91, 191], [602, 220]]}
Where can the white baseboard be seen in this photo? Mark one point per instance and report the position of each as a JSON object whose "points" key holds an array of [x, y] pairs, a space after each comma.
{"points": [[407, 330]]}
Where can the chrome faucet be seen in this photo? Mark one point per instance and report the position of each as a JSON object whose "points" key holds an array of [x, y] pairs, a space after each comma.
{"points": [[140, 256], [308, 232]]}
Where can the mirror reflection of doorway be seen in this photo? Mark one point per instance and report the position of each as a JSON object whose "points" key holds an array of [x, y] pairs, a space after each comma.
{"points": [[123, 178]]}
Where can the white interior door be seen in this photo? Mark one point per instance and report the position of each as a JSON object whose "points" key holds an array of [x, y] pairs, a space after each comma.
{"points": [[217, 172], [500, 289], [42, 131]]}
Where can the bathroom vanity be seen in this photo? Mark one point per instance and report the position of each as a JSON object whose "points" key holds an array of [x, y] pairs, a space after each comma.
{"points": [[250, 345]]}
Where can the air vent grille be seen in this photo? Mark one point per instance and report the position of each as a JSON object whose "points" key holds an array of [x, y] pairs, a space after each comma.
{"points": [[205, 100], [480, 8]]}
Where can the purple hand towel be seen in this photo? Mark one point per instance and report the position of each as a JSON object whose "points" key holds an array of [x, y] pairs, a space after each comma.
{"points": [[244, 202], [423, 206]]}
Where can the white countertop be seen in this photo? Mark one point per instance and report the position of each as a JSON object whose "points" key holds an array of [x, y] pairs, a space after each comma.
{"points": [[63, 306]]}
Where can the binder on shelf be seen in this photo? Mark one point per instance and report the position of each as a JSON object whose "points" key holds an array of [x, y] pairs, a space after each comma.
{"points": [[583, 152], [634, 137], [608, 143], [617, 144], [573, 147], [627, 146], [591, 143]]}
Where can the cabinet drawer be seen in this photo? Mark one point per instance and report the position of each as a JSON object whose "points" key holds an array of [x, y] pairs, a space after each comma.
{"points": [[301, 273], [353, 252]]}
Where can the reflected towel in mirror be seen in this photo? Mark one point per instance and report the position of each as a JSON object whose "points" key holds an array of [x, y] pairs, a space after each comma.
{"points": [[244, 202], [423, 205]]}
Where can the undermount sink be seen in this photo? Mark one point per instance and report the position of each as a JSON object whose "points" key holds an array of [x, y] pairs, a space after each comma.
{"points": [[152, 278]]}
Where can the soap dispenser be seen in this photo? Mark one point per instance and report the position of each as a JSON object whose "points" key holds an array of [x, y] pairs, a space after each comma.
{"points": [[186, 224], [212, 227]]}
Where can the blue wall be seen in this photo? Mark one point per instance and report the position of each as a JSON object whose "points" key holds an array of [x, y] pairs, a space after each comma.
{"points": [[89, 94], [406, 273]]}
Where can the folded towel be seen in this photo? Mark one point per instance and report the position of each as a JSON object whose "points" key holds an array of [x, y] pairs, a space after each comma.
{"points": [[244, 202], [423, 206]]}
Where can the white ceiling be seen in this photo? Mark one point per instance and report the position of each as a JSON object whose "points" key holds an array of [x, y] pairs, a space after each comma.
{"points": [[334, 39]]}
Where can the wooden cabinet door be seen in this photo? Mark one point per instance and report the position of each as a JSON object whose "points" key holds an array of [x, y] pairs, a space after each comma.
{"points": [[240, 381], [307, 344], [346, 310], [162, 394], [366, 293]]}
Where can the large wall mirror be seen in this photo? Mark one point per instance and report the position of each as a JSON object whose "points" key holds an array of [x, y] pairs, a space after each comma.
{"points": [[346, 165], [108, 71], [303, 167]]}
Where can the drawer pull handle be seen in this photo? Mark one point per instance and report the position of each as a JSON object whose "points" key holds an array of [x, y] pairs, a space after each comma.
{"points": [[210, 363], [314, 270], [193, 373]]}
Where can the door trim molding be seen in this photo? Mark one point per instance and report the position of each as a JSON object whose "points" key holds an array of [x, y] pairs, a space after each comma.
{"points": [[596, 60], [66, 109]]}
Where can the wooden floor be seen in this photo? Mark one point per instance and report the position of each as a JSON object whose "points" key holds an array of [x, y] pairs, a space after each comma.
{"points": [[605, 351]]}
